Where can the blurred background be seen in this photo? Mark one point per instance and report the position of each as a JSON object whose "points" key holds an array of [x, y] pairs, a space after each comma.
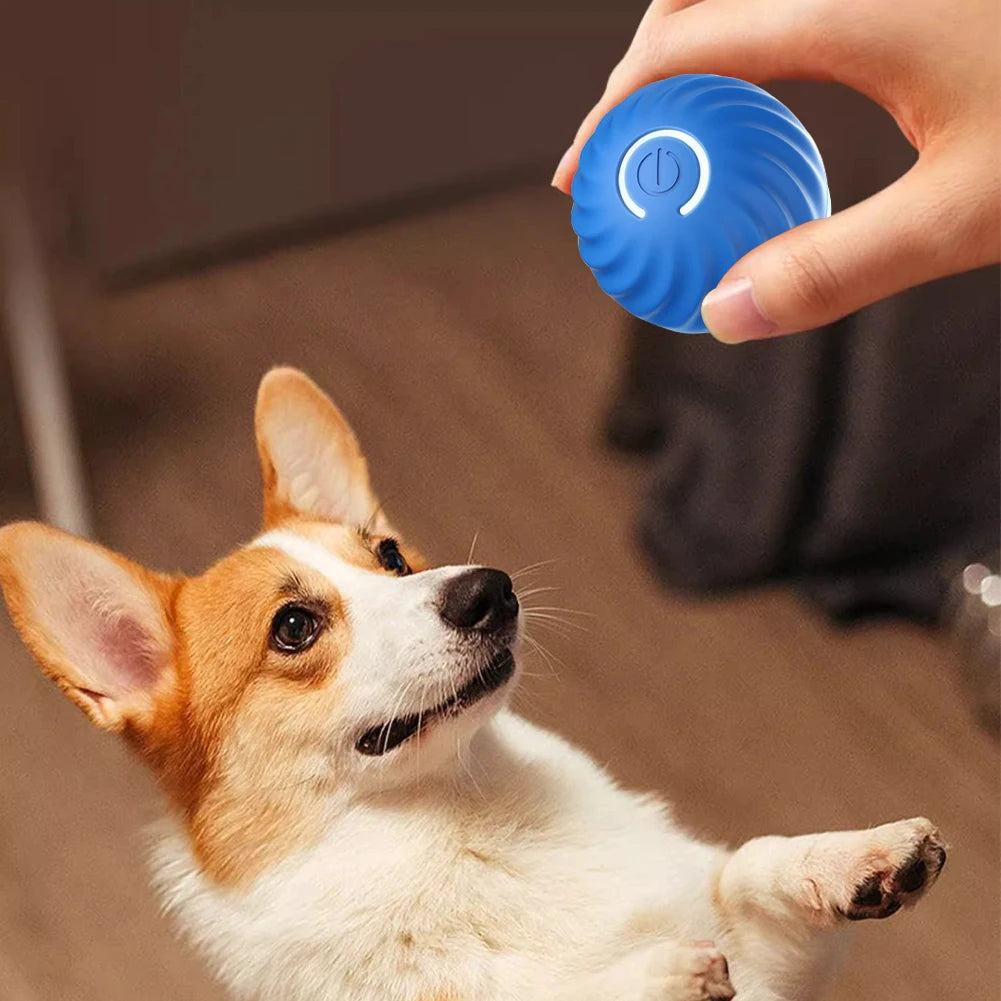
{"points": [[780, 560]]}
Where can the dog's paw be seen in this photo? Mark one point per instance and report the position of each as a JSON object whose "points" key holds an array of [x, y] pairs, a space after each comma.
{"points": [[905, 862], [872, 874], [689, 971]]}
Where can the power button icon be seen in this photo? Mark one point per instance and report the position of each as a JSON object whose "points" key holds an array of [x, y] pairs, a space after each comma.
{"points": [[658, 171], [662, 161]]}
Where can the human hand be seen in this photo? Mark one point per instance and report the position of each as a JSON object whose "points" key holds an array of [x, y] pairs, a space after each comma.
{"points": [[935, 65]]}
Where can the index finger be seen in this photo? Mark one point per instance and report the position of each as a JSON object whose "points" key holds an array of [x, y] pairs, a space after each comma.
{"points": [[730, 37]]}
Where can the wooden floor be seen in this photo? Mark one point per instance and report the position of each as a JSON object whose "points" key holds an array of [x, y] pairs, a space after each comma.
{"points": [[474, 355]]}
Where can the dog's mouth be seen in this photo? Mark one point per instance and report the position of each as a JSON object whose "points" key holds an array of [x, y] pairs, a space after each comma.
{"points": [[384, 738]]}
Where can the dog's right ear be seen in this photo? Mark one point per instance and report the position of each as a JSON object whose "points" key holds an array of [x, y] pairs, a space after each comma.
{"points": [[97, 624], [311, 463]]}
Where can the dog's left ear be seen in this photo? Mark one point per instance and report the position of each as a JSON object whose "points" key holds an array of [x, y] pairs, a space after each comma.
{"points": [[311, 463]]}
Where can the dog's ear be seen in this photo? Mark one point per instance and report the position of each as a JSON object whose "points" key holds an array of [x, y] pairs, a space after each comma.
{"points": [[97, 624], [311, 463]]}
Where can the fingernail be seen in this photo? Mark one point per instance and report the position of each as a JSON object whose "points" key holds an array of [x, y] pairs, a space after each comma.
{"points": [[562, 165], [732, 315]]}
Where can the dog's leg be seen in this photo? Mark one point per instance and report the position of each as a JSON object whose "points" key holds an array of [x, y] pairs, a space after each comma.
{"points": [[828, 877], [687, 971], [667, 971], [776, 895]]}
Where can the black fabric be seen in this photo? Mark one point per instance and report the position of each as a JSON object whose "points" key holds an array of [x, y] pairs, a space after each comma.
{"points": [[862, 460]]}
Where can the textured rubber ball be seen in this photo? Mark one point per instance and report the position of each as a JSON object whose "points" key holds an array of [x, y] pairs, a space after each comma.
{"points": [[681, 180]]}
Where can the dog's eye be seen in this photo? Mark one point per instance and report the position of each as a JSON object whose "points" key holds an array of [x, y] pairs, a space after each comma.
{"points": [[294, 628], [391, 558]]}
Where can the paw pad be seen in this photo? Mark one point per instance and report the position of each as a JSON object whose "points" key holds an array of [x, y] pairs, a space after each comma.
{"points": [[883, 893]]}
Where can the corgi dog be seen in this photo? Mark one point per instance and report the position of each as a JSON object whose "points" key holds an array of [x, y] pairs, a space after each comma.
{"points": [[353, 813]]}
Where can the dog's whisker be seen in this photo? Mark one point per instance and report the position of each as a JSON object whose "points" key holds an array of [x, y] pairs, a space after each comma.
{"points": [[378, 509], [532, 615], [472, 546], [383, 740], [397, 705], [522, 595], [558, 608], [466, 767], [546, 617], [532, 568], [420, 725], [558, 629], [548, 658], [557, 632]]}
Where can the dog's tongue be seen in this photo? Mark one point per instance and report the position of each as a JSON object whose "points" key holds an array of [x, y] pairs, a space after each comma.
{"points": [[381, 739]]}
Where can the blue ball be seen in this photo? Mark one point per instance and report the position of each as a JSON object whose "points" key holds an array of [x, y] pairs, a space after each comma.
{"points": [[681, 180]]}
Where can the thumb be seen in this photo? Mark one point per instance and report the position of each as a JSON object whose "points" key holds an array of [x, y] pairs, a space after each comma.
{"points": [[911, 232]]}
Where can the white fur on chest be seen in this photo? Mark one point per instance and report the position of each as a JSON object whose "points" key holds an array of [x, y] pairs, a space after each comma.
{"points": [[506, 885]]}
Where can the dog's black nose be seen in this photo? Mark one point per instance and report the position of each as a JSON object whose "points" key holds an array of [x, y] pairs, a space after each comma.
{"points": [[479, 599]]}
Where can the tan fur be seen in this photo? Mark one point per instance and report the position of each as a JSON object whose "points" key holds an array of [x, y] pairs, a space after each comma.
{"points": [[235, 687], [350, 546]]}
